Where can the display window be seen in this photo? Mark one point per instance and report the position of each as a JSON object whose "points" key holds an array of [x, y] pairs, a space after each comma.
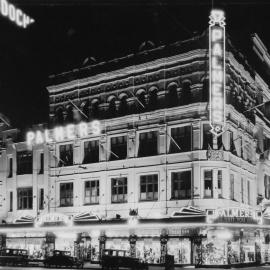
{"points": [[94, 249], [214, 251], [180, 249], [249, 249], [65, 242], [117, 243], [148, 250], [34, 246]]}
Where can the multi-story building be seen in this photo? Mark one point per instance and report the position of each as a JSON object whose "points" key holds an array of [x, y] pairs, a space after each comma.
{"points": [[148, 176]]}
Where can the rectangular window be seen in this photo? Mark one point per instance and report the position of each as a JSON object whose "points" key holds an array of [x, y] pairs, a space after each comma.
{"points": [[149, 187], [267, 186], [41, 157], [232, 187], [66, 155], [248, 192], [207, 137], [242, 190], [10, 167], [181, 185], [66, 194], [208, 184], [219, 183], [180, 139], [91, 152], [118, 148], [119, 190], [41, 199], [24, 162], [148, 144], [25, 198], [91, 192], [11, 201]]}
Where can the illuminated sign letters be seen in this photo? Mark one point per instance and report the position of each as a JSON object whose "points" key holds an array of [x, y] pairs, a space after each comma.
{"points": [[59, 134], [217, 71], [15, 14]]}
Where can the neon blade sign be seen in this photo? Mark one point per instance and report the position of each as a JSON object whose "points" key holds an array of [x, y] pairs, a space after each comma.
{"points": [[217, 71], [15, 14]]}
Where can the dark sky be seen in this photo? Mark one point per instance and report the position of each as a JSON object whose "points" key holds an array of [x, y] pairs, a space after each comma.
{"points": [[66, 32]]}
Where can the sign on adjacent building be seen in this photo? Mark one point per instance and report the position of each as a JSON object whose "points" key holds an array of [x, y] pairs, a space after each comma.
{"points": [[15, 14], [217, 71]]}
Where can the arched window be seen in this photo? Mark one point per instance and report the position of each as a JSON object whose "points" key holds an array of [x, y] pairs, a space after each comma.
{"points": [[205, 90], [112, 108], [153, 99], [123, 108], [141, 102], [95, 109], [172, 96], [85, 110], [59, 116], [70, 117], [186, 94]]}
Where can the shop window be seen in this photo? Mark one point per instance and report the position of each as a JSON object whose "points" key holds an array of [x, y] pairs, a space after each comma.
{"points": [[65, 155], [10, 201], [10, 167], [148, 144], [232, 187], [91, 152], [91, 192], [267, 186], [149, 187], [118, 148], [41, 199], [181, 185], [119, 190], [180, 139], [207, 137], [66, 194], [242, 190], [208, 184], [24, 162], [219, 183], [25, 198], [41, 159], [180, 248]]}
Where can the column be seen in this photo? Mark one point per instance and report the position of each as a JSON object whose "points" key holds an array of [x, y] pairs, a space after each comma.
{"points": [[131, 143], [162, 139], [196, 135], [242, 252], [102, 242], [258, 257], [132, 242], [163, 247]]}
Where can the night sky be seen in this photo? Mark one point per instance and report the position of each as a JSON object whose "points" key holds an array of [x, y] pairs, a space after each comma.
{"points": [[66, 32]]}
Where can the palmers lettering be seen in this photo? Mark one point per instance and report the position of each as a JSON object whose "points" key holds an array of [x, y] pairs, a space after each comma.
{"points": [[59, 134]]}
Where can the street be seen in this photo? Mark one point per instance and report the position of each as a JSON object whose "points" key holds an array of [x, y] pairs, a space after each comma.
{"points": [[150, 268]]}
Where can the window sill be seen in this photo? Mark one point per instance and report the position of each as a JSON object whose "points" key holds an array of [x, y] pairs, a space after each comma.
{"points": [[180, 199], [89, 204], [66, 205], [152, 200], [119, 202]]}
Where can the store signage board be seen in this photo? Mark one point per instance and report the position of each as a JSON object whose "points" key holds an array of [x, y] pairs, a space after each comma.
{"points": [[58, 134], [217, 71], [235, 215], [14, 14], [53, 219]]}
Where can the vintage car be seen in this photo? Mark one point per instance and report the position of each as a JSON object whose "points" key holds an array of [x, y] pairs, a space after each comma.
{"points": [[62, 259], [11, 256], [113, 259]]}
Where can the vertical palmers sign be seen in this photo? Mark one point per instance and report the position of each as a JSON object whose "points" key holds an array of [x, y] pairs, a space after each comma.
{"points": [[217, 71]]}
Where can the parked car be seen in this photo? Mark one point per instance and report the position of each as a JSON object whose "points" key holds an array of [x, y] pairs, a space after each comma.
{"points": [[113, 259], [11, 256], [62, 259]]}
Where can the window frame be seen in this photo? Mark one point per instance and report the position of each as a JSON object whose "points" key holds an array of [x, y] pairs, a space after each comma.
{"points": [[123, 186], [173, 197], [23, 169], [138, 143], [153, 199], [84, 150], [60, 163], [66, 198], [97, 186], [24, 198], [111, 157]]}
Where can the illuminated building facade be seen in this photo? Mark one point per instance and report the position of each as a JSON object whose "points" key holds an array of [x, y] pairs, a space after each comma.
{"points": [[154, 179]]}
